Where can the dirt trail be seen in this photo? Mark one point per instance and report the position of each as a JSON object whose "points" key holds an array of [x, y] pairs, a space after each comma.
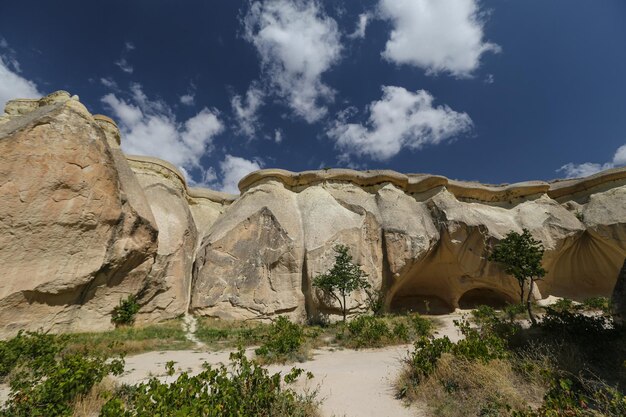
{"points": [[351, 383]]}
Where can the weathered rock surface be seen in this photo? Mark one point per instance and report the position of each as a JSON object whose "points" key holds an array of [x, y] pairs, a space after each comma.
{"points": [[618, 299], [82, 225], [423, 240], [73, 238]]}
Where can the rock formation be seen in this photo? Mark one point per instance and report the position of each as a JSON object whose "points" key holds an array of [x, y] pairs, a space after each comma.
{"points": [[618, 299], [82, 225], [75, 236]]}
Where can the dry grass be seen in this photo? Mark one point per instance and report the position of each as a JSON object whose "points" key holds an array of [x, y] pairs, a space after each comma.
{"points": [[168, 335], [89, 405], [460, 388]]}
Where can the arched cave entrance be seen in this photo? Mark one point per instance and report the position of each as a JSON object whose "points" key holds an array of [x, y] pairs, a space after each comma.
{"points": [[419, 303], [484, 296]]}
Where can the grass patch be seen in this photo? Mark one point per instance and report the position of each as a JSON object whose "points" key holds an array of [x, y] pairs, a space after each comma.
{"points": [[168, 335], [222, 334]]}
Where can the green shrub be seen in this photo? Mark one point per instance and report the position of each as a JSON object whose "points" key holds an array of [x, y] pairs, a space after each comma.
{"points": [[124, 313], [243, 389], [563, 304], [282, 342], [46, 379], [420, 325], [427, 353], [483, 345], [401, 331], [597, 303], [37, 349], [368, 331]]}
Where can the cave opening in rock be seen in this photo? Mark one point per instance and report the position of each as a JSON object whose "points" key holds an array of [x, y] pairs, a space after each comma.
{"points": [[419, 303], [484, 296]]}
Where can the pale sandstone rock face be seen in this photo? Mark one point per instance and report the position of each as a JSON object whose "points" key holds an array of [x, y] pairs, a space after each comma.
{"points": [[82, 225], [167, 295], [423, 240], [250, 264], [73, 240], [618, 300]]}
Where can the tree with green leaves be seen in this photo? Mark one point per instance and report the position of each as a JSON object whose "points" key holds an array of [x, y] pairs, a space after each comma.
{"points": [[342, 279], [521, 257]]}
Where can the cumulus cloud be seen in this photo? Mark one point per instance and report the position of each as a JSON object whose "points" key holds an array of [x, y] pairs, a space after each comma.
{"points": [[296, 42], [12, 84], [436, 35], [572, 170], [233, 169], [150, 128], [245, 111], [400, 119], [359, 32], [188, 99]]}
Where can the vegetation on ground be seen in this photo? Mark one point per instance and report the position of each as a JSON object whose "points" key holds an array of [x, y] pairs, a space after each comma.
{"points": [[373, 331], [49, 379], [342, 279], [167, 335], [224, 334], [567, 364], [124, 313], [284, 342], [244, 388]]}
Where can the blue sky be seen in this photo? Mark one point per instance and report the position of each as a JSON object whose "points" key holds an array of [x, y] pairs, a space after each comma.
{"points": [[493, 90]]}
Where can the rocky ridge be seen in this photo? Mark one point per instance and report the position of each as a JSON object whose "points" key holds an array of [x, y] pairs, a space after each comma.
{"points": [[83, 225]]}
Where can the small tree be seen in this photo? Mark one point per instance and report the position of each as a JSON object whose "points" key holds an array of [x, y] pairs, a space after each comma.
{"points": [[521, 256], [342, 279]]}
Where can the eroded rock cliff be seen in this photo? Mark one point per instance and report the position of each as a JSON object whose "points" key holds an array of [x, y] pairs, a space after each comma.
{"points": [[82, 226], [74, 236]]}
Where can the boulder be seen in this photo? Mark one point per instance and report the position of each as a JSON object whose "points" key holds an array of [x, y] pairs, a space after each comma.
{"points": [[74, 238]]}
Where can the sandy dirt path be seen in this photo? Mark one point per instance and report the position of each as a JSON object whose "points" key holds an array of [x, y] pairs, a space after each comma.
{"points": [[351, 383]]}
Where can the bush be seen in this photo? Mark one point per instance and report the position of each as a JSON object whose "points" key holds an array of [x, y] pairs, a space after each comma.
{"points": [[36, 349], [368, 331], [420, 325], [283, 341], [124, 313], [374, 331], [244, 389], [563, 304], [574, 361], [597, 304], [46, 380]]}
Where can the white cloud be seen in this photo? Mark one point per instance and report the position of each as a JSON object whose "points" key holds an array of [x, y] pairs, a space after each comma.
{"points": [[278, 136], [124, 65], [188, 99], [108, 83], [297, 42], [245, 111], [400, 119], [149, 127], [359, 32], [572, 170], [12, 84], [129, 46], [436, 35], [233, 169]]}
